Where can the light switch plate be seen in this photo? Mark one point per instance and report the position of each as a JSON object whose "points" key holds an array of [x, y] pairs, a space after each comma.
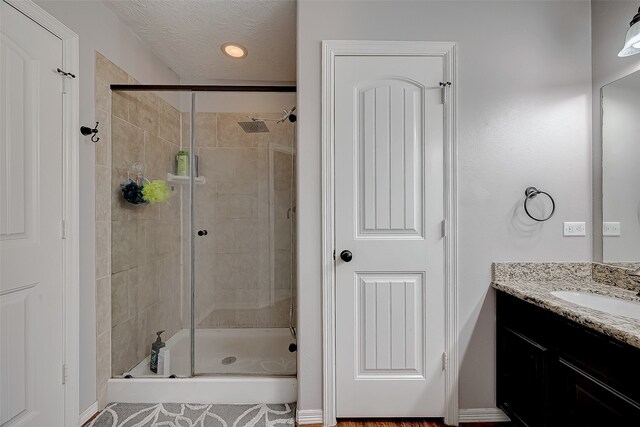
{"points": [[574, 229], [611, 229]]}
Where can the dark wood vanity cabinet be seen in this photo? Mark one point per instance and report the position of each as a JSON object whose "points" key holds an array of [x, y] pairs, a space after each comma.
{"points": [[553, 372]]}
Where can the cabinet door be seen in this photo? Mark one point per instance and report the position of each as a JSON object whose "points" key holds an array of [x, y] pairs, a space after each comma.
{"points": [[587, 402], [522, 378]]}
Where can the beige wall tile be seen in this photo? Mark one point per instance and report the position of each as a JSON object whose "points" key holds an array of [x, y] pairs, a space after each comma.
{"points": [[102, 92], [279, 133], [185, 130], [128, 248], [119, 207], [240, 187], [123, 347], [103, 305], [206, 129], [282, 269], [103, 147], [127, 143], [168, 122], [103, 248], [251, 165], [281, 204], [103, 193], [120, 104], [159, 157], [169, 281], [161, 239], [145, 287], [120, 300], [245, 232], [143, 111], [235, 206], [142, 340], [170, 210], [236, 271], [282, 234], [282, 166], [217, 164], [107, 70], [230, 134], [103, 366]]}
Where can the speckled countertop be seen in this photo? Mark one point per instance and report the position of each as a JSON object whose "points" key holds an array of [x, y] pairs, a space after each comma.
{"points": [[534, 282]]}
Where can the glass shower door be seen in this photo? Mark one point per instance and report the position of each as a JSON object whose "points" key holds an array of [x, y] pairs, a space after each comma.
{"points": [[145, 213], [243, 226]]}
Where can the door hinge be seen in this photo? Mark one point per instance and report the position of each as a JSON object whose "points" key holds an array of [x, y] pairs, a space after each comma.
{"points": [[444, 228], [65, 373], [65, 75], [444, 86], [63, 229], [445, 361]]}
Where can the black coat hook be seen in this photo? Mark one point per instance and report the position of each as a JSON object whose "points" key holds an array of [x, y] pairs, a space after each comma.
{"points": [[86, 130]]}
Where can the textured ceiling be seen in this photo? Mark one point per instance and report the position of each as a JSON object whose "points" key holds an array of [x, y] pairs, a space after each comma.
{"points": [[187, 34]]}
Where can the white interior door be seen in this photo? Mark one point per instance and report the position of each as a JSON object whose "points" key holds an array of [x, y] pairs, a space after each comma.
{"points": [[31, 212], [389, 176]]}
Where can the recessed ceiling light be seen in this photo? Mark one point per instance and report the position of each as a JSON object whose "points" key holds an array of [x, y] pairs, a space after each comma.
{"points": [[234, 50]]}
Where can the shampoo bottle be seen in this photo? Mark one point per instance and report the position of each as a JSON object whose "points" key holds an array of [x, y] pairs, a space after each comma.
{"points": [[155, 352]]}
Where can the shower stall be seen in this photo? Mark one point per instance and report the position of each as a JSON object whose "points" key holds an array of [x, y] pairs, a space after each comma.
{"points": [[203, 226]]}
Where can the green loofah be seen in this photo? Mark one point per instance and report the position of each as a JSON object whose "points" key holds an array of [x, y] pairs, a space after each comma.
{"points": [[156, 191]]}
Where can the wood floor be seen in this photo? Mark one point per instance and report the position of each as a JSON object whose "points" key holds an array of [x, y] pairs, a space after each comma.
{"points": [[406, 423]]}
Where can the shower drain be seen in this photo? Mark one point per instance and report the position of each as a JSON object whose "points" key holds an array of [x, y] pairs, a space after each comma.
{"points": [[228, 360]]}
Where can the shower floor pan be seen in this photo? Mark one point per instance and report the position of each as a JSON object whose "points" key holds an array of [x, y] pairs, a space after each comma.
{"points": [[232, 366]]}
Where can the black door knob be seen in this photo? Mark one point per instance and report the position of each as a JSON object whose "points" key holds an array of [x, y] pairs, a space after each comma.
{"points": [[203, 233], [346, 256]]}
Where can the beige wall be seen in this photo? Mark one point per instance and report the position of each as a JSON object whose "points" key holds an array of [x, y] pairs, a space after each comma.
{"points": [[137, 247], [243, 264]]}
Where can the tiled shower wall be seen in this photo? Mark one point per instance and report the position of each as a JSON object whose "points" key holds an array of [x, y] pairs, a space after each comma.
{"points": [[244, 263], [137, 247]]}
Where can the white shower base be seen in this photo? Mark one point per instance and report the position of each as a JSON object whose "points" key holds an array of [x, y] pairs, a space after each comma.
{"points": [[263, 371]]}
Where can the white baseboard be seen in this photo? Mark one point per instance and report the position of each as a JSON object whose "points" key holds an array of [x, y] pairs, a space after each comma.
{"points": [[478, 415], [88, 413], [309, 416]]}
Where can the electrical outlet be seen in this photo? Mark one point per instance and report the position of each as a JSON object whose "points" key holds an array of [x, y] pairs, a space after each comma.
{"points": [[573, 229], [611, 229]]}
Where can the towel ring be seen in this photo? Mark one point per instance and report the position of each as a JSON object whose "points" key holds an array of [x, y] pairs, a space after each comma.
{"points": [[531, 193]]}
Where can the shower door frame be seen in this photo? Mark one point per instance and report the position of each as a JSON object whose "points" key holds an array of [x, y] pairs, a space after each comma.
{"points": [[272, 280], [194, 89]]}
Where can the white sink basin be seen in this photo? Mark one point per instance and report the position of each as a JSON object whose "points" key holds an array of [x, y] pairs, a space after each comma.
{"points": [[603, 303]]}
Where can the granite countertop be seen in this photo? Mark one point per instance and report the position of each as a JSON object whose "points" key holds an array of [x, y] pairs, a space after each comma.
{"points": [[538, 292]]}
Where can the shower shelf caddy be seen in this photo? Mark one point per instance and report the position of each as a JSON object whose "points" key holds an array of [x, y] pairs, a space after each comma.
{"points": [[180, 179]]}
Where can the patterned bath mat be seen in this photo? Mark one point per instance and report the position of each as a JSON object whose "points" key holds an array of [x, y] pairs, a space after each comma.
{"points": [[195, 415]]}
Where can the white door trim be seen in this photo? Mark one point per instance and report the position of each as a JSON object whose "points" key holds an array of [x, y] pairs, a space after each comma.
{"points": [[71, 186], [446, 50]]}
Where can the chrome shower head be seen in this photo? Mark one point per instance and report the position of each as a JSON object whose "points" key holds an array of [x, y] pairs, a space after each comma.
{"points": [[254, 126]]}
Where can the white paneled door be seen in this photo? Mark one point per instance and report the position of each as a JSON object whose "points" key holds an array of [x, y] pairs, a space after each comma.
{"points": [[389, 202], [31, 212]]}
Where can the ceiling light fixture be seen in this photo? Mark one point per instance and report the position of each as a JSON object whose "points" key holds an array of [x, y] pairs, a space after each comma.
{"points": [[632, 41], [234, 50]]}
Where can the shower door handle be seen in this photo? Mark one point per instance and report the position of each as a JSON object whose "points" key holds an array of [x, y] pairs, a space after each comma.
{"points": [[346, 256]]}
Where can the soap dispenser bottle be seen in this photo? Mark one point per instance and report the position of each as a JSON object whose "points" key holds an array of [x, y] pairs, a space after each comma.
{"points": [[155, 351]]}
